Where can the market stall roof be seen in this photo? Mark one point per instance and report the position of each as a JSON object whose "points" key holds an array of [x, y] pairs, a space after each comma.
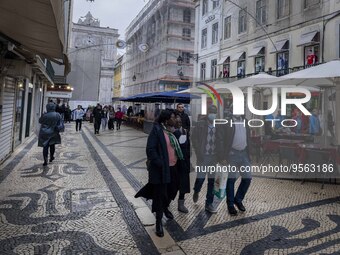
{"points": [[322, 75], [166, 97], [35, 25]]}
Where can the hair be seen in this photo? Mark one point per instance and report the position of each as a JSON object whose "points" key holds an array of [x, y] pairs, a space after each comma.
{"points": [[164, 116], [179, 104]]}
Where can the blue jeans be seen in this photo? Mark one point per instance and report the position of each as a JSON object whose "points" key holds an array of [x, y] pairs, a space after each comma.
{"points": [[238, 159], [208, 160]]}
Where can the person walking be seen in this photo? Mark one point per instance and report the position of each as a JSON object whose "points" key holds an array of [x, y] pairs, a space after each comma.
{"points": [[162, 151], [111, 124], [205, 138], [78, 115], [68, 113], [184, 116], [183, 165], [105, 114], [119, 117], [234, 150], [97, 118], [49, 133]]}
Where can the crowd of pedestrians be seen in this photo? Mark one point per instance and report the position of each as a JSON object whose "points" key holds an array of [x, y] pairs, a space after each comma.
{"points": [[168, 161]]}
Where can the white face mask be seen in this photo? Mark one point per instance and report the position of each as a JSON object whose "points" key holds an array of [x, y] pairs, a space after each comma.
{"points": [[212, 116]]}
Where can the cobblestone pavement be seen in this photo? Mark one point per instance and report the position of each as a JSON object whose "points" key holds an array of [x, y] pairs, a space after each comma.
{"points": [[83, 203]]}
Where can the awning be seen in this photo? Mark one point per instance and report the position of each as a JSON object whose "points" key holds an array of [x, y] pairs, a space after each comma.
{"points": [[255, 51], [237, 56], [35, 25], [222, 60], [280, 46], [307, 38]]}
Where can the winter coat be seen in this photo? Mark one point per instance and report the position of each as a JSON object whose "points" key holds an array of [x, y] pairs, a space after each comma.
{"points": [[49, 121], [157, 154]]}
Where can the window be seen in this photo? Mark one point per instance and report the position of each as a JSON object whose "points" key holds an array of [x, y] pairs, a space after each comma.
{"points": [[242, 21], [312, 55], [227, 27], [203, 70], [214, 33], [261, 15], [186, 34], [226, 68], [204, 7], [186, 57], [204, 38], [259, 64], [282, 63], [241, 66], [216, 3], [187, 16], [309, 3], [213, 69], [282, 8]]}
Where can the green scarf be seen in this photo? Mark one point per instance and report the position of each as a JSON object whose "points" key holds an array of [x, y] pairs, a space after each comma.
{"points": [[174, 143]]}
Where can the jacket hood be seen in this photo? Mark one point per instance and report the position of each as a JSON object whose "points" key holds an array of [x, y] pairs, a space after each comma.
{"points": [[50, 107]]}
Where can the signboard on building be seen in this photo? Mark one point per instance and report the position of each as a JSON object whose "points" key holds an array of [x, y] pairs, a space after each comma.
{"points": [[59, 94]]}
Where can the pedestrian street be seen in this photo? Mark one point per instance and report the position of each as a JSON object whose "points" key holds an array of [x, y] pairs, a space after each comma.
{"points": [[83, 203]]}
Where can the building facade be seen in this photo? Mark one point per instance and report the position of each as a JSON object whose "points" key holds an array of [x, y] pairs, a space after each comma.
{"points": [[92, 54], [277, 37], [117, 90], [161, 33], [25, 65]]}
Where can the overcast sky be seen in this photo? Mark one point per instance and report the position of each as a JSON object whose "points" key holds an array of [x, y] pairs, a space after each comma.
{"points": [[111, 13]]}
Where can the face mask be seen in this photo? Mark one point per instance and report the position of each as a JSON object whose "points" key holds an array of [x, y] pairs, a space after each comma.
{"points": [[212, 116]]}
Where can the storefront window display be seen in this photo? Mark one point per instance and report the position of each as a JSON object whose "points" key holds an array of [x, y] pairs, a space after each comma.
{"points": [[312, 55]]}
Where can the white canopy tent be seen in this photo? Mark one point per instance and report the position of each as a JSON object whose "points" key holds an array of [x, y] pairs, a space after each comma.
{"points": [[325, 76]]}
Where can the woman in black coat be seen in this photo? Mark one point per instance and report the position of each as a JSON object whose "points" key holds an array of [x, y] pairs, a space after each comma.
{"points": [[162, 152], [49, 135], [183, 166]]}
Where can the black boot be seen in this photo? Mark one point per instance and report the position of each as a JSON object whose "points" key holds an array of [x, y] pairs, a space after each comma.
{"points": [[45, 161], [168, 214], [159, 228], [51, 158]]}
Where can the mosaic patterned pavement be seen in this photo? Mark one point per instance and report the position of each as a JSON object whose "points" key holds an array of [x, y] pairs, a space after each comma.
{"points": [[83, 203]]}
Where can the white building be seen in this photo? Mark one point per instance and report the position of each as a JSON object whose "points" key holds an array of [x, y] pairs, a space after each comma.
{"points": [[161, 33], [92, 54], [278, 36]]}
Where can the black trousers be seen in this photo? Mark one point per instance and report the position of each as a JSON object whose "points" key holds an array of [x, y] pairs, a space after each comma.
{"points": [[119, 122], [111, 124], [97, 124], [162, 194], [45, 151], [78, 124]]}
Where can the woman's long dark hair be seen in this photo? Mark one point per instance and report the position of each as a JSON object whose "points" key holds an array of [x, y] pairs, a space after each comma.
{"points": [[163, 116]]}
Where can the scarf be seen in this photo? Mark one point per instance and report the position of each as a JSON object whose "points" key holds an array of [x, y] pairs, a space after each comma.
{"points": [[174, 143]]}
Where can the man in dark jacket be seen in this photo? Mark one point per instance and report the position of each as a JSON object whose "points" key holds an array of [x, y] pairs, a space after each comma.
{"points": [[49, 135], [97, 118], [205, 139], [234, 150], [184, 117]]}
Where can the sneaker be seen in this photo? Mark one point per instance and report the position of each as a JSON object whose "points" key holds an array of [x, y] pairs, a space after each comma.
{"points": [[210, 208], [232, 211], [240, 206], [195, 197]]}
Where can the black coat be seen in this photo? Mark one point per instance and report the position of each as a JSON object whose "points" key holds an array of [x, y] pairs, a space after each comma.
{"points": [[183, 166], [157, 154], [185, 120], [48, 134]]}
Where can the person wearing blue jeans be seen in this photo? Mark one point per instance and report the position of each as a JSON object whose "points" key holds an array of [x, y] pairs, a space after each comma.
{"points": [[235, 152], [237, 159], [208, 160], [206, 138]]}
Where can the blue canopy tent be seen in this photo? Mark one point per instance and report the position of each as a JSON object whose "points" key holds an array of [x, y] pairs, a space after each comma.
{"points": [[161, 97]]}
